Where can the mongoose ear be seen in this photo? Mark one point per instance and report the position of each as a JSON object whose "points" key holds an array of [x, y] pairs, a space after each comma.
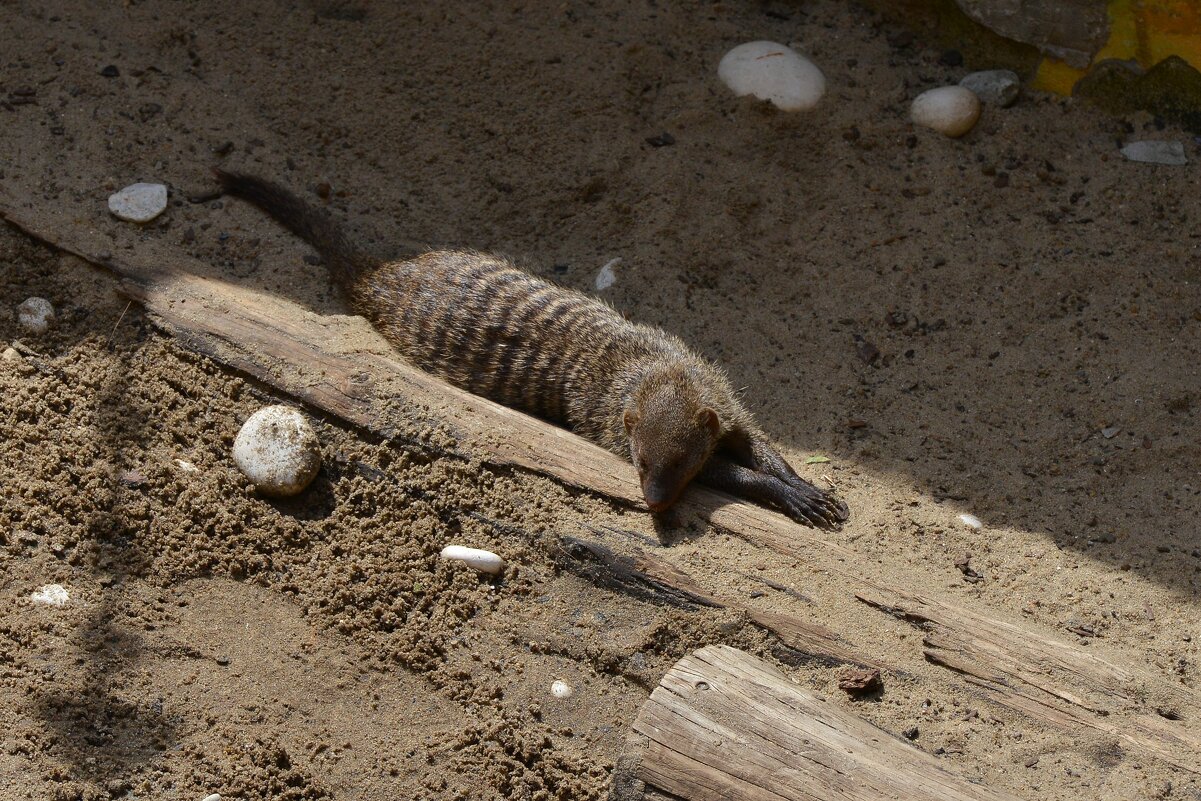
{"points": [[630, 419], [707, 418]]}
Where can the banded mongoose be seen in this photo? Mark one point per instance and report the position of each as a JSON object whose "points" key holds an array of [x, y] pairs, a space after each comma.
{"points": [[480, 323]]}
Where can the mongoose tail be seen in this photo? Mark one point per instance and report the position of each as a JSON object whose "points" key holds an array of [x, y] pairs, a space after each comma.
{"points": [[345, 262]]}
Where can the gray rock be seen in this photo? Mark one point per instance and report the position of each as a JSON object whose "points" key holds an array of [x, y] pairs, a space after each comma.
{"points": [[35, 315], [138, 203], [1156, 152], [994, 87]]}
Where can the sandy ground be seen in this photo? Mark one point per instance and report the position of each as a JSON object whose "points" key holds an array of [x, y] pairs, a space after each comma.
{"points": [[1026, 289]]}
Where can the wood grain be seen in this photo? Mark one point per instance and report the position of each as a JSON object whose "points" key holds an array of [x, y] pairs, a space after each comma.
{"points": [[338, 365], [653, 578], [723, 724], [1054, 680]]}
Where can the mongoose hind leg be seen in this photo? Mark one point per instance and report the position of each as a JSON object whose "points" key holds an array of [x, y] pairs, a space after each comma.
{"points": [[803, 502]]}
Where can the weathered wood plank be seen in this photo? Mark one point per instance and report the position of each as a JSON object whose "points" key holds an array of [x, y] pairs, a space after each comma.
{"points": [[723, 724], [655, 579], [339, 365], [336, 363], [1052, 679]]}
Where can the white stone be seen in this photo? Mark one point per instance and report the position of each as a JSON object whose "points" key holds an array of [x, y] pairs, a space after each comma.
{"points": [[213, 797], [950, 110], [481, 560], [1156, 152], [774, 72], [606, 277], [971, 520], [995, 87], [11, 355], [35, 315], [561, 689], [278, 451], [51, 595], [138, 203]]}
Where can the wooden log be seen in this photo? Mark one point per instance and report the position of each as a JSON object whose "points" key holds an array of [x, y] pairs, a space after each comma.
{"points": [[1051, 679], [340, 366], [654, 579], [723, 724]]}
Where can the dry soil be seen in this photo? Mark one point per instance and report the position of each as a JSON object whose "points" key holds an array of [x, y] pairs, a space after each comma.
{"points": [[1007, 325]]}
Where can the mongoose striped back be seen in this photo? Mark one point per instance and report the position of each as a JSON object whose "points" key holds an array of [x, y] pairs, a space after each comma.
{"points": [[484, 325]]}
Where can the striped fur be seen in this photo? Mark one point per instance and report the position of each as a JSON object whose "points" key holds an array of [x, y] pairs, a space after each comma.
{"points": [[482, 324]]}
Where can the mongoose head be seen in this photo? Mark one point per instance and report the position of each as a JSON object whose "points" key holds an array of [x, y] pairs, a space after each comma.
{"points": [[672, 433]]}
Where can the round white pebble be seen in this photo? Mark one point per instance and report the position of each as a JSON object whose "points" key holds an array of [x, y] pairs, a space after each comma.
{"points": [[950, 110], [278, 451], [971, 520], [213, 797], [481, 560], [561, 689], [51, 595], [774, 72], [138, 203], [35, 315]]}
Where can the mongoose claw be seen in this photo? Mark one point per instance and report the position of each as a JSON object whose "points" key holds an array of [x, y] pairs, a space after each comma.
{"points": [[822, 511], [816, 503]]}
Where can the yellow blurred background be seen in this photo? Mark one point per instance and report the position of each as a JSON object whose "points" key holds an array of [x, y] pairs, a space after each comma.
{"points": [[1142, 31]]}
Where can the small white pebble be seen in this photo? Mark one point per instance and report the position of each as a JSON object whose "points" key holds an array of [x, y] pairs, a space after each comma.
{"points": [[35, 315], [186, 466], [11, 355], [213, 797], [481, 560], [278, 451], [51, 595], [561, 689], [950, 110], [1170, 153], [774, 72], [606, 277], [138, 203], [971, 520]]}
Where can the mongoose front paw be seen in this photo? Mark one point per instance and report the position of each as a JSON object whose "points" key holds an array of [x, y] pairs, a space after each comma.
{"points": [[813, 506]]}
